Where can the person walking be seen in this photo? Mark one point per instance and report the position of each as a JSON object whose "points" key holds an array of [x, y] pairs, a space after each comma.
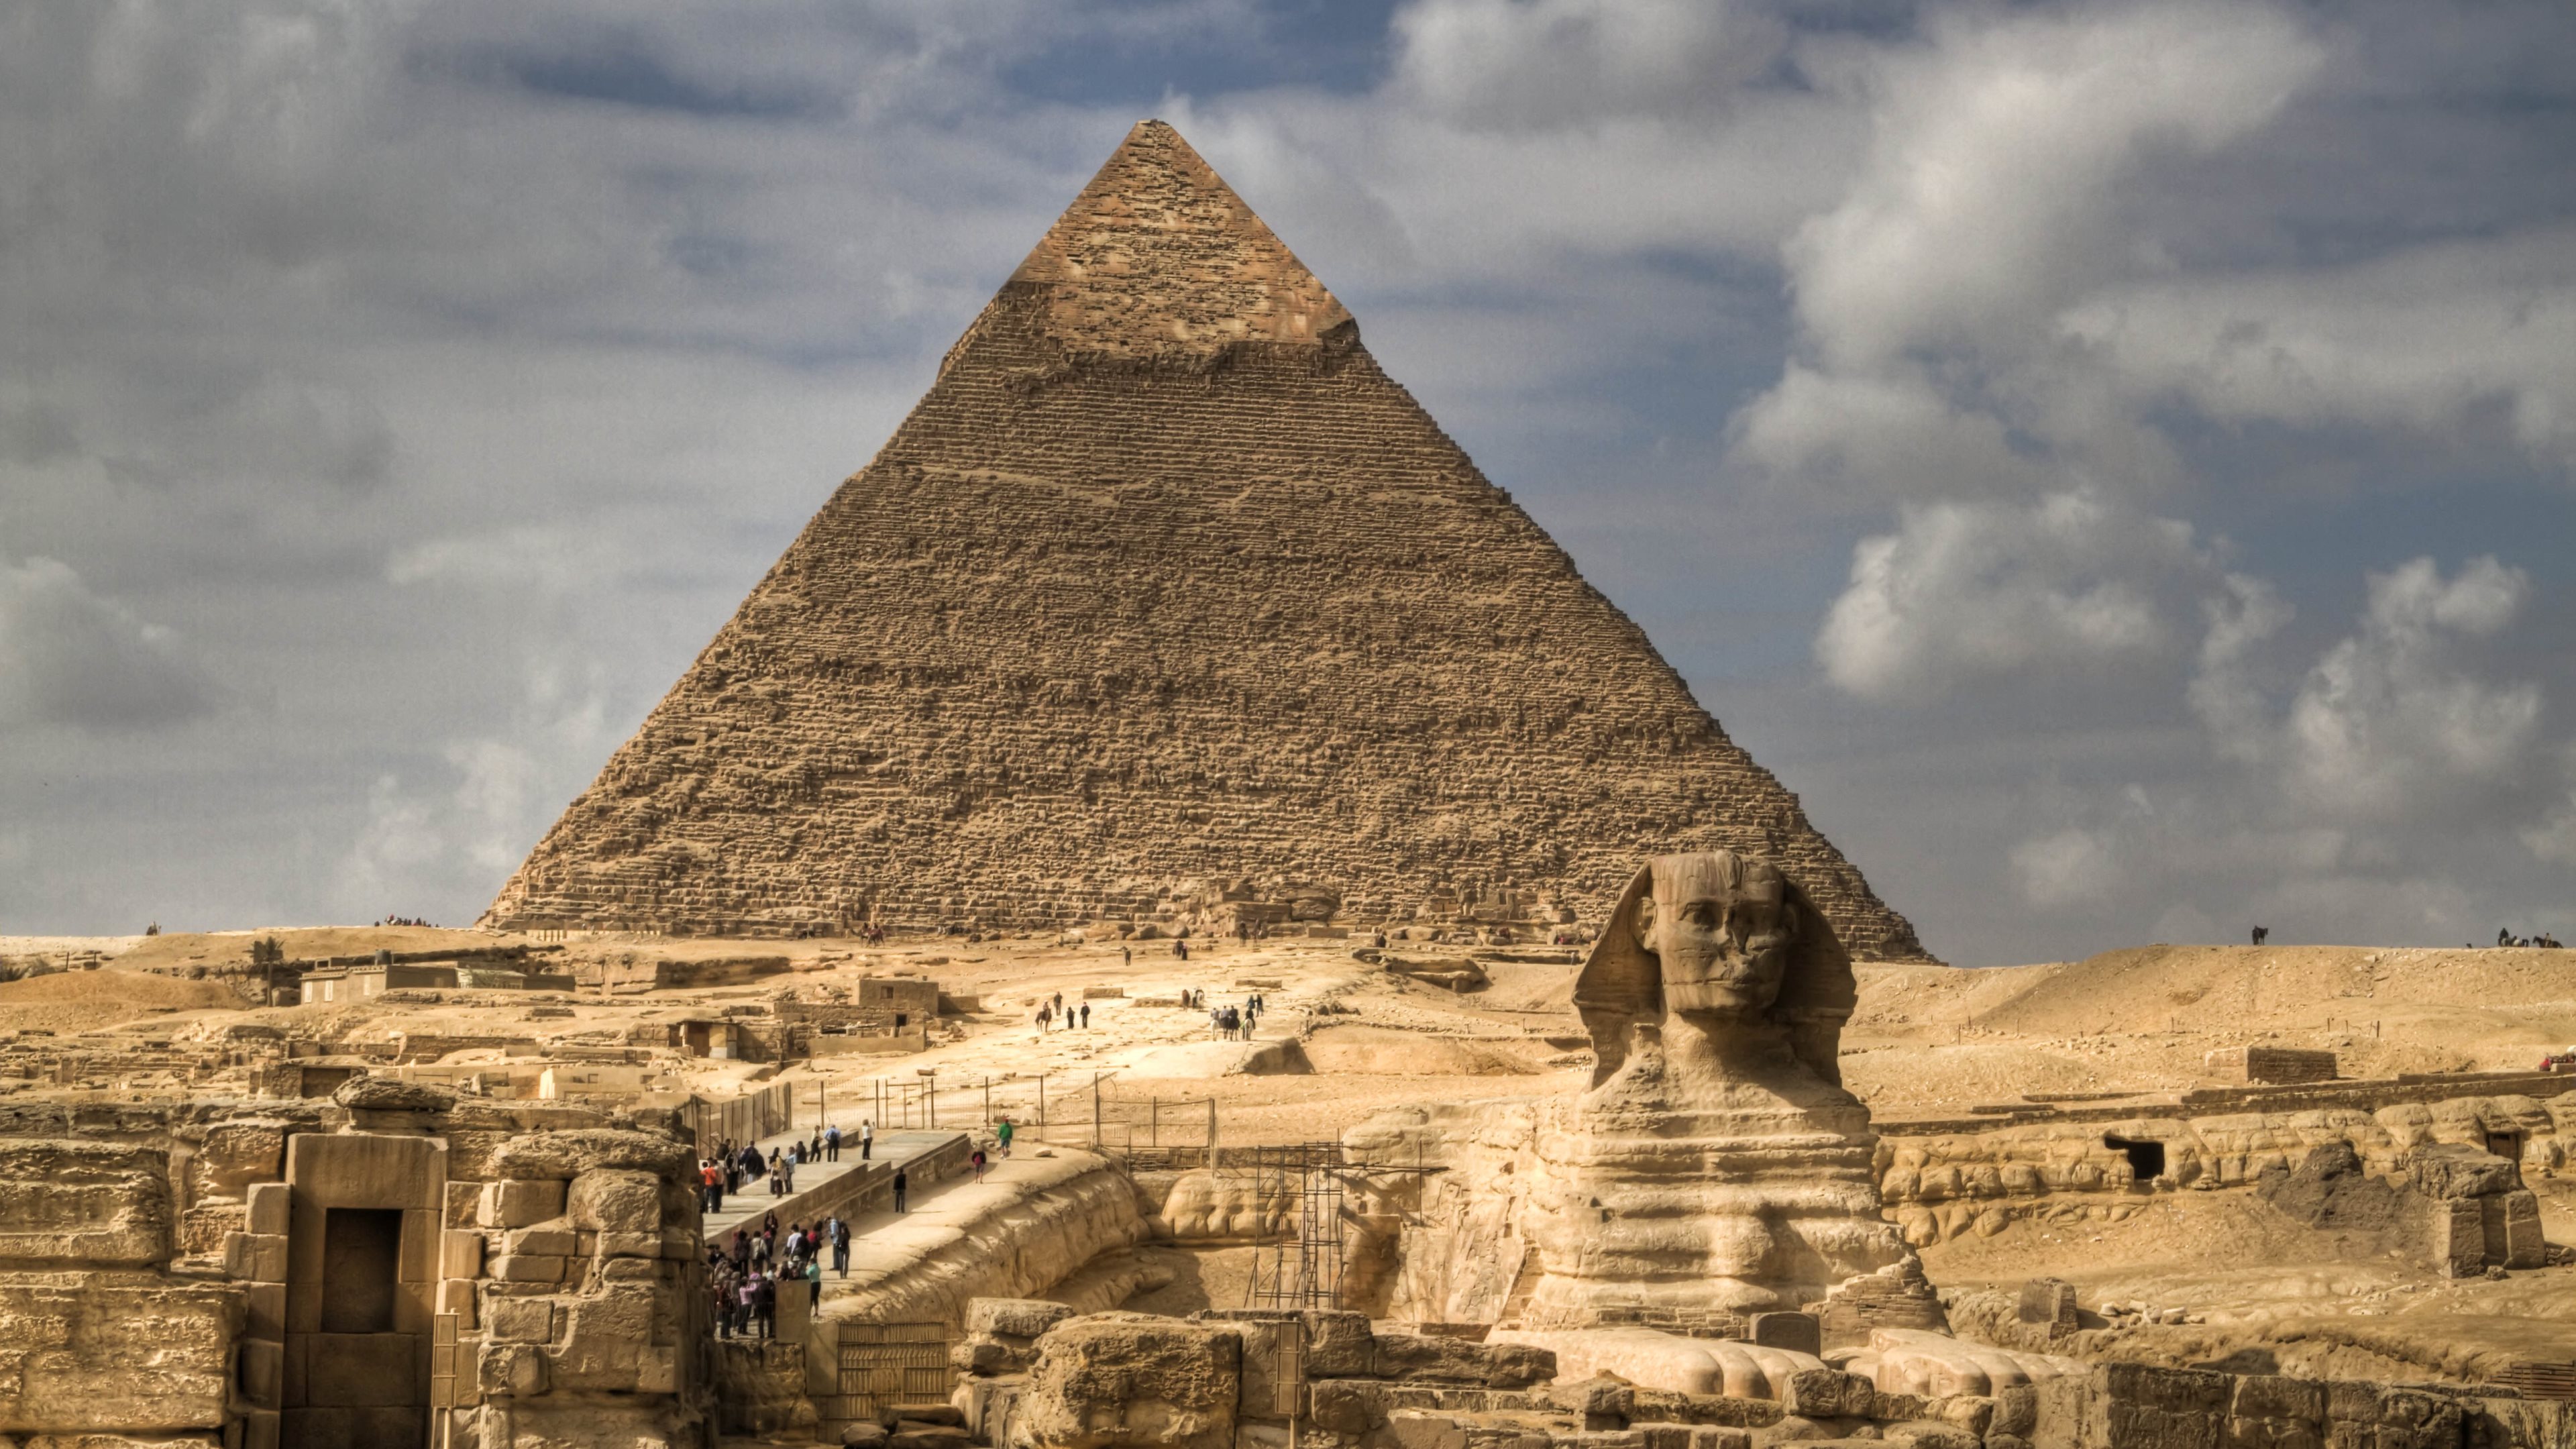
{"points": [[813, 1284], [867, 1138], [900, 1183], [777, 1176], [832, 1143], [1086, 1016], [978, 1160], [837, 1233], [764, 1305], [1002, 1130]]}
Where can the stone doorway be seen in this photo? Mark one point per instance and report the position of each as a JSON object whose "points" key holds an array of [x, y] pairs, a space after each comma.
{"points": [[362, 1247]]}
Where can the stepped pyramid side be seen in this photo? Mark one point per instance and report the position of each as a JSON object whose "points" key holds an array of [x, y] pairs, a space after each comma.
{"points": [[1164, 580]]}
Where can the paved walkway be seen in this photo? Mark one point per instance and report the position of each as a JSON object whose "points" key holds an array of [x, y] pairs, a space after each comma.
{"points": [[896, 1148]]}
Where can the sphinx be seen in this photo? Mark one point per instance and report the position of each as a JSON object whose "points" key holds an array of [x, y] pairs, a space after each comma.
{"points": [[1715, 1168]]}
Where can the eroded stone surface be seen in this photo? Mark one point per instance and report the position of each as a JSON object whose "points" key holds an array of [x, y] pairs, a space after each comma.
{"points": [[1163, 581]]}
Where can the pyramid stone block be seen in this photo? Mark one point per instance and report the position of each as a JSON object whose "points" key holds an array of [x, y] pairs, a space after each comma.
{"points": [[1163, 582]]}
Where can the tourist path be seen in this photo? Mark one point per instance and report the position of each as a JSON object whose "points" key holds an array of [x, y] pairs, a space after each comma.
{"points": [[893, 1149]]}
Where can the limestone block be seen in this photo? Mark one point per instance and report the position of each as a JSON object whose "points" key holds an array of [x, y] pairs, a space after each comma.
{"points": [[392, 1094], [1012, 1317], [616, 1200], [1338, 1344], [202, 1228], [2455, 1170], [551, 1240], [367, 1169], [2523, 1245], [266, 1310], [1796, 1331], [628, 1270], [100, 1203], [521, 1203], [605, 1337], [520, 1320], [563, 1156], [260, 1429], [457, 1296], [2456, 1239], [464, 1203], [1134, 1381], [1346, 1406], [1827, 1394], [233, 1156], [2274, 1396], [2050, 1302], [256, 1257], [268, 1203], [165, 1350], [460, 1253], [261, 1369], [630, 1245], [511, 1368], [525, 1268]]}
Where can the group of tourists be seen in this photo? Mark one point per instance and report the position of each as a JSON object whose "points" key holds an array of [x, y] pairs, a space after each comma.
{"points": [[1054, 1012], [725, 1173], [747, 1272], [2544, 940], [1235, 1022], [387, 921]]}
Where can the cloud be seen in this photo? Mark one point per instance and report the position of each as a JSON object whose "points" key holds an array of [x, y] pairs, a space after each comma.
{"points": [[71, 656], [2391, 719], [1518, 64], [1963, 592], [1984, 202], [2070, 867], [2432, 338]]}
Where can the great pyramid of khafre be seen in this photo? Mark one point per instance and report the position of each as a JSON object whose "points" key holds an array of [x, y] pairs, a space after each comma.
{"points": [[1164, 582]]}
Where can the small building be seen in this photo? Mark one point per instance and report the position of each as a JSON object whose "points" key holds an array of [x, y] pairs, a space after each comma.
{"points": [[2270, 1065], [332, 985]]}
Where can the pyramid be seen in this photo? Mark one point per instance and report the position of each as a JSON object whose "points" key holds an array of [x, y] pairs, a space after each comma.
{"points": [[1164, 583]]}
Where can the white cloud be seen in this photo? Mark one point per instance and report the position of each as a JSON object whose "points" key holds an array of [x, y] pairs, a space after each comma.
{"points": [[2429, 338], [1967, 592], [2390, 718], [2068, 868], [1522, 63], [72, 656], [1984, 202]]}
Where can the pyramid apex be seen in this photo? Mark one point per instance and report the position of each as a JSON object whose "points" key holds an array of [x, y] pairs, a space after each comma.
{"points": [[1159, 257]]}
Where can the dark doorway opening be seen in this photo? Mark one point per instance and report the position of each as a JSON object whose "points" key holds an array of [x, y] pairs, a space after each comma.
{"points": [[2507, 1145], [361, 1263], [901, 1020], [2146, 1159]]}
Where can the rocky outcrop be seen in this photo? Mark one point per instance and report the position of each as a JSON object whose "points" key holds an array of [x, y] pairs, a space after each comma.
{"points": [[1164, 582]]}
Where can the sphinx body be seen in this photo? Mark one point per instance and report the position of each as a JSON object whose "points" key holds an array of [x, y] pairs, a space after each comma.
{"points": [[1715, 1168]]}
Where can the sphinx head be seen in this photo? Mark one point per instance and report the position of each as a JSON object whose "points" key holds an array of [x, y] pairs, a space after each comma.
{"points": [[1723, 941], [1721, 928]]}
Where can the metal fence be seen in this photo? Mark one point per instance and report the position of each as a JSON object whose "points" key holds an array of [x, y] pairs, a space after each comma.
{"points": [[747, 1118]]}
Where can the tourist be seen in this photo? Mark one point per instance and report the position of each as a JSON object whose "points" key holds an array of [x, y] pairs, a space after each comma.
{"points": [[777, 1178], [900, 1183], [832, 1143], [1086, 1016], [867, 1138], [837, 1233], [814, 1149], [787, 1171], [764, 1305], [1043, 1013], [813, 1286], [741, 1254], [978, 1160], [1003, 1131]]}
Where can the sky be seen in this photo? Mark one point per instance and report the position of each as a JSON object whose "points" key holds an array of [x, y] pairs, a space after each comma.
{"points": [[2116, 462]]}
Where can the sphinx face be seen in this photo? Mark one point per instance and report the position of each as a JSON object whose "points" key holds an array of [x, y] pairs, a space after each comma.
{"points": [[1722, 934]]}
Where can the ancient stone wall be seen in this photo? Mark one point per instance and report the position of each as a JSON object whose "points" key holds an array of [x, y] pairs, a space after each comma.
{"points": [[1941, 1184], [1164, 582], [265, 1274]]}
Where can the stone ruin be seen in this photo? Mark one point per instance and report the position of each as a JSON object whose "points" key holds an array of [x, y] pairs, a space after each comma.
{"points": [[1163, 580], [254, 1274]]}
